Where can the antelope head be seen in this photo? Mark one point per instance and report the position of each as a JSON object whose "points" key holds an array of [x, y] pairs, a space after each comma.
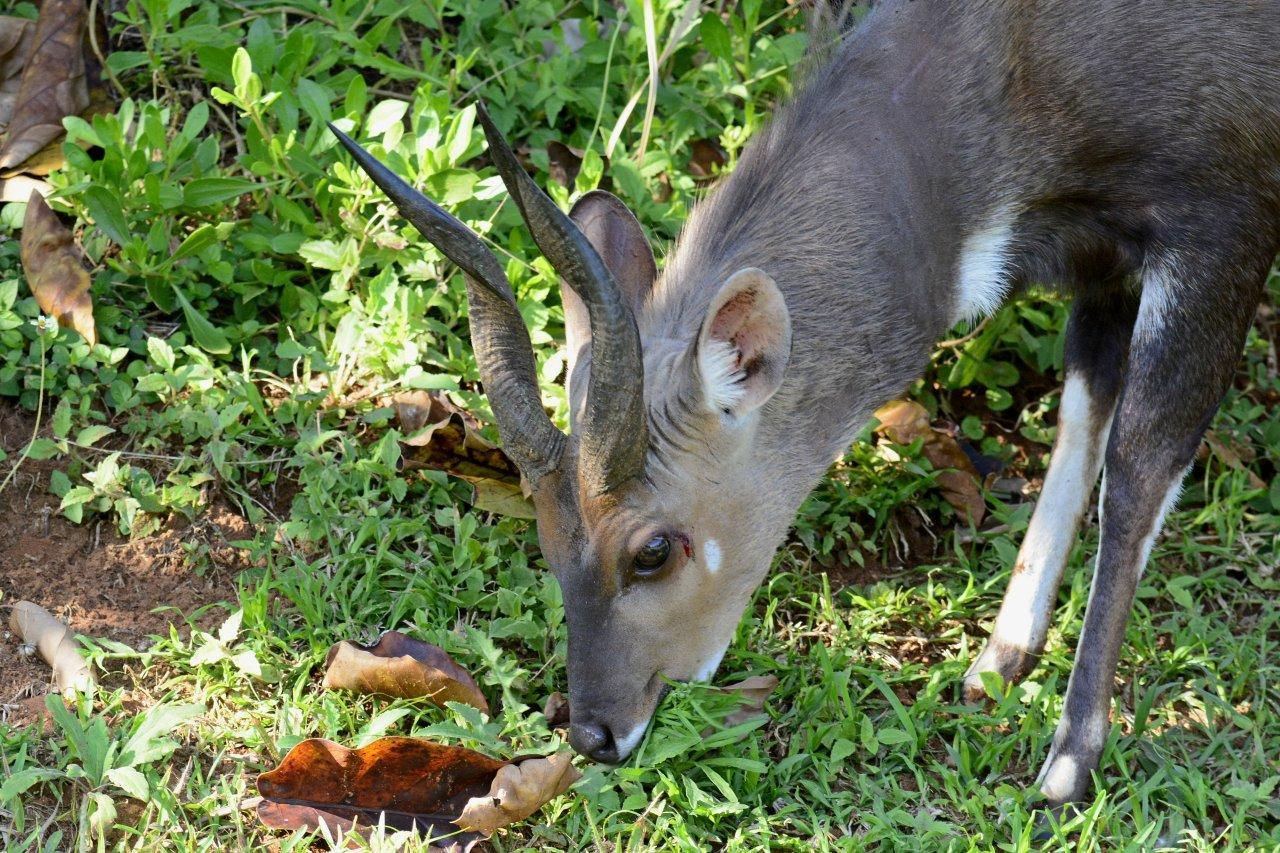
{"points": [[650, 511]]}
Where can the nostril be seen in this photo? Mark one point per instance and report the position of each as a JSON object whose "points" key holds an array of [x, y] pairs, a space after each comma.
{"points": [[594, 741]]}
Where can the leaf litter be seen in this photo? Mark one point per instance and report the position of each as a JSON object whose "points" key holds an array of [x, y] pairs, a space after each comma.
{"points": [[51, 261], [905, 421], [442, 437], [399, 665], [453, 793], [56, 644]]}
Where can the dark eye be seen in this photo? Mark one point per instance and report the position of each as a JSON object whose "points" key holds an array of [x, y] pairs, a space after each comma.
{"points": [[652, 556]]}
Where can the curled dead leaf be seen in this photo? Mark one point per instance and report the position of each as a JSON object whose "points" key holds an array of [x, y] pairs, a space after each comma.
{"points": [[904, 421], [1234, 454], [53, 81], [399, 665], [518, 790], [56, 644], [443, 437], [752, 694], [52, 264]]}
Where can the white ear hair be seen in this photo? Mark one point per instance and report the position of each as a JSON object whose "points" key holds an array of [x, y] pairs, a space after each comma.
{"points": [[723, 379], [744, 344]]}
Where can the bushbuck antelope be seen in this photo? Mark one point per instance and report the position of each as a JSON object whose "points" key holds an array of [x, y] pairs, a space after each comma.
{"points": [[946, 155]]}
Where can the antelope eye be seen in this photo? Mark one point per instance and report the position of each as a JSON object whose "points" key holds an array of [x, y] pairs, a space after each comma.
{"points": [[652, 556]]}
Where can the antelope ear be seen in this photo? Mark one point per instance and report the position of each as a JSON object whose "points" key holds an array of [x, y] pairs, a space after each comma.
{"points": [[617, 236], [744, 344]]}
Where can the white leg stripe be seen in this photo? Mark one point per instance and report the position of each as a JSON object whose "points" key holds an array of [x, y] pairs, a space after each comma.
{"points": [[1073, 468], [1158, 281], [1170, 500]]}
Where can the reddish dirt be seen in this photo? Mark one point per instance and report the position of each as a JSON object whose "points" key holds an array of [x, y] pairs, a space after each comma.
{"points": [[100, 583]]}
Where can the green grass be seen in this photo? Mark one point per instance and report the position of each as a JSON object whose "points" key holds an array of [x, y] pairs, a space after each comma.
{"points": [[262, 351]]}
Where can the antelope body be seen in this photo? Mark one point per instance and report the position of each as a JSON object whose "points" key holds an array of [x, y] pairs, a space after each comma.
{"points": [[948, 154]]}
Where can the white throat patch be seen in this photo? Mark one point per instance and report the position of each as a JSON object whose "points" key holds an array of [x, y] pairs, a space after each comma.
{"points": [[982, 277]]}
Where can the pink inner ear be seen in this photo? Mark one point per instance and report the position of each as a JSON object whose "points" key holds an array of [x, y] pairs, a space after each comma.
{"points": [[737, 323]]}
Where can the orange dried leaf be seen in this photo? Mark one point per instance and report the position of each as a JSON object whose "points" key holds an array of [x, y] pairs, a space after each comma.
{"points": [[407, 783], [52, 264], [399, 665]]}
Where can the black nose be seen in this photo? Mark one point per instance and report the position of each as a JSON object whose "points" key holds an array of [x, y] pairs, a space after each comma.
{"points": [[594, 741]]}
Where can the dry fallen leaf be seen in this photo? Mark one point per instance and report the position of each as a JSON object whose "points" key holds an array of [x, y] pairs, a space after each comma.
{"points": [[56, 644], [904, 421], [52, 264], [752, 694], [442, 437], [519, 790], [399, 665], [556, 710], [408, 783], [1235, 454], [706, 159], [755, 691], [16, 35], [53, 81]]}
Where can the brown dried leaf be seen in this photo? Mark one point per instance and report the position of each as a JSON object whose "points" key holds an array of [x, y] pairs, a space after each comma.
{"points": [[56, 643], [706, 158], [53, 81], [409, 783], [752, 694], [519, 790], [904, 421], [755, 691], [399, 665], [564, 163], [16, 36], [442, 437], [52, 264], [556, 710], [1235, 454]]}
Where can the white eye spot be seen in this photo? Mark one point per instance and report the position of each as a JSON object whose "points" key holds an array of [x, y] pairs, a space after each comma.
{"points": [[711, 554]]}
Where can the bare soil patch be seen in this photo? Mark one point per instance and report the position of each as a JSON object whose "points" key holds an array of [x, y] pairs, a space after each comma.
{"points": [[100, 583]]}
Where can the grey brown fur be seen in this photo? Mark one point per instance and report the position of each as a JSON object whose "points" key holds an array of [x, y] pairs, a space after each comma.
{"points": [[1126, 151]]}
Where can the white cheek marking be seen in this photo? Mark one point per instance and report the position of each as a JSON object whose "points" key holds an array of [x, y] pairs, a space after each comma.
{"points": [[981, 274], [631, 739], [711, 555], [709, 668]]}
